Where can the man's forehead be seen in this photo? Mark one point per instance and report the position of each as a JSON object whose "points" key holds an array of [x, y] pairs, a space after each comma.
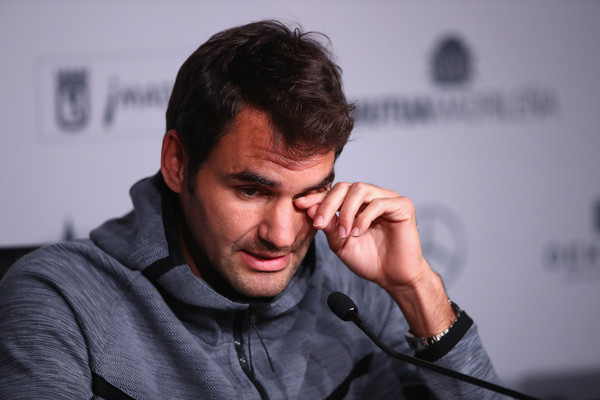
{"points": [[253, 136], [293, 158], [275, 165]]}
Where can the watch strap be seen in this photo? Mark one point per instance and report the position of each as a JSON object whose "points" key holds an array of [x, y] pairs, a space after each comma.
{"points": [[435, 347]]}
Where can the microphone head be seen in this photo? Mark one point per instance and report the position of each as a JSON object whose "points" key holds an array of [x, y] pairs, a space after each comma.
{"points": [[342, 306]]}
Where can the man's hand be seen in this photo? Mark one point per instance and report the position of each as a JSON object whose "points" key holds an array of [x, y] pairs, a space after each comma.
{"points": [[374, 232]]}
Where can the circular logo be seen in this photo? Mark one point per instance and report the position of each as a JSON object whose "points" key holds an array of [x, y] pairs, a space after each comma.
{"points": [[444, 240]]}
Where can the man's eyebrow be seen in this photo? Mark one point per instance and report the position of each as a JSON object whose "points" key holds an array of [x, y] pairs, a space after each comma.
{"points": [[325, 182], [252, 177]]}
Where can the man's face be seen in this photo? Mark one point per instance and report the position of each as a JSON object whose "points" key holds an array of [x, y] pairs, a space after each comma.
{"points": [[241, 221]]}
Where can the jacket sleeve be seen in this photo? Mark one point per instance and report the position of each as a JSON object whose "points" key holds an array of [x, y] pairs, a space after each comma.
{"points": [[470, 358], [42, 350], [461, 350]]}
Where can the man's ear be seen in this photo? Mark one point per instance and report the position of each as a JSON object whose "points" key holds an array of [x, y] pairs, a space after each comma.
{"points": [[173, 161]]}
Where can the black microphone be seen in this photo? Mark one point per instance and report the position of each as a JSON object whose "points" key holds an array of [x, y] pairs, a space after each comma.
{"points": [[346, 310], [342, 306]]}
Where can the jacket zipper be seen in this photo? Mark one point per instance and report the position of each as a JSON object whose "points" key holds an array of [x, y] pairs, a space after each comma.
{"points": [[238, 341]]}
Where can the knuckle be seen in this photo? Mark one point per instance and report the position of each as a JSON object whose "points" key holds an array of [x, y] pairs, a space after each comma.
{"points": [[360, 187], [340, 185], [408, 203]]}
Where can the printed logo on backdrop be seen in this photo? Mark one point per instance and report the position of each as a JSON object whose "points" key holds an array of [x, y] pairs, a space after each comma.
{"points": [[451, 64], [578, 258], [444, 240], [455, 97], [72, 99], [118, 97]]}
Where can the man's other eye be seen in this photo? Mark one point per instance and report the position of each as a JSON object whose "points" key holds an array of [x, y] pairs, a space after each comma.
{"points": [[324, 189]]}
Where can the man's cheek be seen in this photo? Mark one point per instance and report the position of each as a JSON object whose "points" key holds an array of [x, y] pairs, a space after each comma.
{"points": [[307, 233]]}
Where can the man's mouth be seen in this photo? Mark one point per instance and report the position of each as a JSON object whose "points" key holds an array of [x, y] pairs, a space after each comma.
{"points": [[265, 262]]}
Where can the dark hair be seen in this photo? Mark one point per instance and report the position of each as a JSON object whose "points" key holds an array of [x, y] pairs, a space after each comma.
{"points": [[267, 66]]}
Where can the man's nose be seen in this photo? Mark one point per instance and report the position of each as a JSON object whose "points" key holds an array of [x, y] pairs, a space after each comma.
{"points": [[280, 223]]}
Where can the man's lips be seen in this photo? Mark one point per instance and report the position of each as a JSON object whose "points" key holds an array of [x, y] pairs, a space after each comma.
{"points": [[266, 262]]}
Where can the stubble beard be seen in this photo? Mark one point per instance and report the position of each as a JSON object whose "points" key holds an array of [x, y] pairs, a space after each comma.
{"points": [[259, 284]]}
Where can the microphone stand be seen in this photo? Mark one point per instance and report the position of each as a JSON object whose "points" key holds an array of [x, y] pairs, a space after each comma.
{"points": [[350, 313]]}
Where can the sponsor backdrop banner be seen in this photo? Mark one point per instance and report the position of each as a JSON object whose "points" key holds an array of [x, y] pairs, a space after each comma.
{"points": [[484, 113]]}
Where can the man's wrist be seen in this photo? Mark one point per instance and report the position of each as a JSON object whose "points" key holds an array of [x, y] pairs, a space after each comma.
{"points": [[419, 343], [439, 349], [425, 306]]}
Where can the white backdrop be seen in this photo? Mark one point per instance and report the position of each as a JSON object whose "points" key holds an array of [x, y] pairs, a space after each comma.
{"points": [[498, 149]]}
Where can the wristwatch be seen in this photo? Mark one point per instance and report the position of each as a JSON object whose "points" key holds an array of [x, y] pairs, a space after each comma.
{"points": [[423, 343]]}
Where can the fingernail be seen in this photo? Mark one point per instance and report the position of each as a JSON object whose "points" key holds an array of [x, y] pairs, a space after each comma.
{"points": [[319, 220], [342, 232], [354, 231]]}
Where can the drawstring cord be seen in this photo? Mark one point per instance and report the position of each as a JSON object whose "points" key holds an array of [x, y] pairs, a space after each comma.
{"points": [[253, 326]]}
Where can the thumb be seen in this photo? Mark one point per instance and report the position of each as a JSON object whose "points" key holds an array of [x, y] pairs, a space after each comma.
{"points": [[331, 230]]}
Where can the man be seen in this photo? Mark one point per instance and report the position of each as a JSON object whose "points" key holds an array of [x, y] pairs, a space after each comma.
{"points": [[215, 286]]}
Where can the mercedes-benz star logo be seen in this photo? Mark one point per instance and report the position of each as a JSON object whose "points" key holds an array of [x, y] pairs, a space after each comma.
{"points": [[444, 240]]}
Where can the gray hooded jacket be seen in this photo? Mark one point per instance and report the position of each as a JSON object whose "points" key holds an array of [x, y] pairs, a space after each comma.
{"points": [[121, 316]]}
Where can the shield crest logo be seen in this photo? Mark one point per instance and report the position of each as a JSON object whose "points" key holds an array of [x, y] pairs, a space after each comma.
{"points": [[451, 62], [72, 100]]}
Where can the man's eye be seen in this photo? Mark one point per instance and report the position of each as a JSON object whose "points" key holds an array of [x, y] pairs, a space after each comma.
{"points": [[248, 191]]}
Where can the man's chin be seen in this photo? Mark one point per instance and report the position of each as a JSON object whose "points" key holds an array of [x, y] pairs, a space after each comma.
{"points": [[263, 287]]}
